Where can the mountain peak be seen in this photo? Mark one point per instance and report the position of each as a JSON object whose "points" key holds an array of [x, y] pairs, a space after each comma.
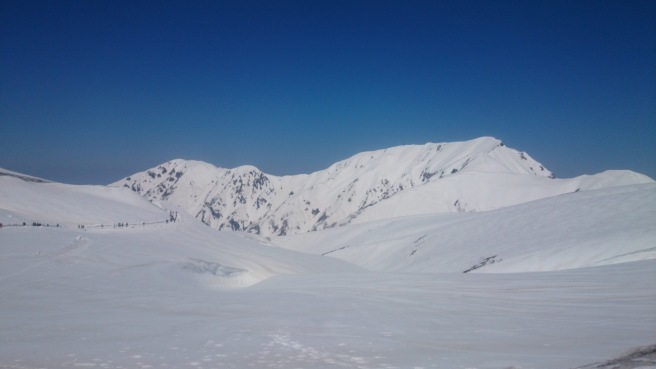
{"points": [[475, 175]]}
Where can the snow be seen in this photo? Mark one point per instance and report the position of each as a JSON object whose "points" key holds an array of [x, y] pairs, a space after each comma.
{"points": [[481, 191], [476, 175], [105, 300], [546, 277], [575, 230], [56, 203]]}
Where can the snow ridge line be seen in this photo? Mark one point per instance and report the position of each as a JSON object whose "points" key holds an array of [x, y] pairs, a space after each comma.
{"points": [[173, 217]]}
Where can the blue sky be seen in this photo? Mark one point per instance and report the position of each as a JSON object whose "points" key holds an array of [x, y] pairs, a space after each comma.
{"points": [[93, 91]]}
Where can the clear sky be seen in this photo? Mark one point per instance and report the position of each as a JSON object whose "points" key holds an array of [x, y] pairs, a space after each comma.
{"points": [[92, 91]]}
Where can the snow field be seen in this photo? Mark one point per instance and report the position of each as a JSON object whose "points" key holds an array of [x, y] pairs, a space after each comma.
{"points": [[560, 282], [100, 304]]}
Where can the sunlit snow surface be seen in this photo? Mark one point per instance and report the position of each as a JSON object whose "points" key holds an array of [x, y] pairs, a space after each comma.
{"points": [[182, 295], [475, 175]]}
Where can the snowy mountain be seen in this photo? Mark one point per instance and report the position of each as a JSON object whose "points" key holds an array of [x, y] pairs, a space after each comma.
{"points": [[476, 175], [560, 282], [147, 234]]}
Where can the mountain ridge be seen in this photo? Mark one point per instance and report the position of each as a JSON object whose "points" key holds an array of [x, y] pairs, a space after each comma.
{"points": [[449, 176]]}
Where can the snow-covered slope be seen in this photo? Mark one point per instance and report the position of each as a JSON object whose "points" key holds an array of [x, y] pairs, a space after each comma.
{"points": [[28, 199], [478, 191], [575, 230], [146, 238], [163, 295], [480, 174]]}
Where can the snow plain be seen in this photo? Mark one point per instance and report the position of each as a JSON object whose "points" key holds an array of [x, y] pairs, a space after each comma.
{"points": [[572, 283]]}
